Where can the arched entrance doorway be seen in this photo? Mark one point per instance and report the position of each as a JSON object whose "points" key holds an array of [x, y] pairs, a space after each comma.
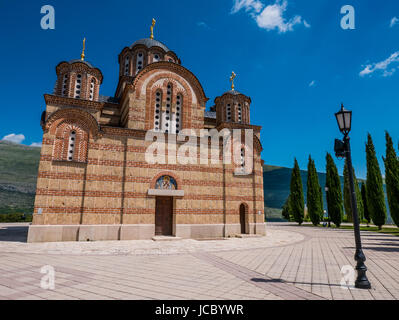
{"points": [[163, 216], [164, 206], [242, 218]]}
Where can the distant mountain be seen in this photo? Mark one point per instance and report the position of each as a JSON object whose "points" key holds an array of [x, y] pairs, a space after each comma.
{"points": [[18, 174]]}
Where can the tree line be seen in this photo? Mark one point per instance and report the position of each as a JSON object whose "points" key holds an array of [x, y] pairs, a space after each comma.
{"points": [[370, 196]]}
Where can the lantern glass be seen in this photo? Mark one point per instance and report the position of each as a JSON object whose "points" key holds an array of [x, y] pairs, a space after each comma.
{"points": [[344, 120]]}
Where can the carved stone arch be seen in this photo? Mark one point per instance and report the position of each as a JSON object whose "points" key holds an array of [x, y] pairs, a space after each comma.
{"points": [[63, 131], [150, 92], [75, 114], [172, 68]]}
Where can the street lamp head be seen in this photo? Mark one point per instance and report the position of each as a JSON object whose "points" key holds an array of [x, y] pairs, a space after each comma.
{"points": [[344, 120]]}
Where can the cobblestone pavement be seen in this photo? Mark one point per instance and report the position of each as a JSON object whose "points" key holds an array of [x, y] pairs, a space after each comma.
{"points": [[291, 262]]}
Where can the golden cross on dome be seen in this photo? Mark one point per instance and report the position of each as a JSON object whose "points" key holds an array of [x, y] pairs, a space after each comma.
{"points": [[152, 28], [82, 56], [233, 75]]}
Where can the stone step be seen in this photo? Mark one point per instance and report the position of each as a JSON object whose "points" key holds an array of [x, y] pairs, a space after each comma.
{"points": [[248, 236], [166, 238]]}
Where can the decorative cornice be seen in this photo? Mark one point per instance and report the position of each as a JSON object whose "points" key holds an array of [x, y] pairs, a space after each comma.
{"points": [[66, 101]]}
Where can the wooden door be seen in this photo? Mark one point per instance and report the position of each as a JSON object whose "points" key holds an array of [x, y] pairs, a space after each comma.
{"points": [[163, 216], [242, 218]]}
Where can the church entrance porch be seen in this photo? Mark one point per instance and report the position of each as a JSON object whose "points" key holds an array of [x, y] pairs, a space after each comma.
{"points": [[164, 216]]}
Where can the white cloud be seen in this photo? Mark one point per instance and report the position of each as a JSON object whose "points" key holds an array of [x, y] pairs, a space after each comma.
{"points": [[270, 17], [394, 21], [202, 24], [36, 144], [248, 5], [384, 66], [312, 84], [16, 138]]}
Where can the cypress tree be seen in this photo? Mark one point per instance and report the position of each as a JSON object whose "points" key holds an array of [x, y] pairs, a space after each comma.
{"points": [[365, 208], [315, 208], [286, 209], [374, 190], [347, 196], [334, 194], [392, 178], [296, 196]]}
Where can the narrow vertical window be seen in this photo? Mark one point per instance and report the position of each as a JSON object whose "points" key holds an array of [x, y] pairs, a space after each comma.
{"points": [[228, 112], [157, 113], [92, 82], [78, 85], [64, 85], [156, 57], [177, 116], [242, 158], [239, 113], [166, 127], [71, 145], [140, 61], [127, 65]]}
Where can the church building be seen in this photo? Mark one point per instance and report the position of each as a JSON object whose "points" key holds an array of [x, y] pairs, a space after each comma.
{"points": [[95, 181]]}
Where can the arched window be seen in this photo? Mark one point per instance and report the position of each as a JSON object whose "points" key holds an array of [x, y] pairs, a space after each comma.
{"points": [[139, 62], [92, 83], [78, 86], [71, 145], [64, 85], [166, 115], [239, 113], [156, 57], [177, 121], [127, 65], [157, 113], [228, 112]]}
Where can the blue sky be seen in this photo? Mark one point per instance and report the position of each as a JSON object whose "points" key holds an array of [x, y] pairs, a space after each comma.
{"points": [[291, 57]]}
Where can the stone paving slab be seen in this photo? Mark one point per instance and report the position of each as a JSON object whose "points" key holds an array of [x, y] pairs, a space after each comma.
{"points": [[291, 262]]}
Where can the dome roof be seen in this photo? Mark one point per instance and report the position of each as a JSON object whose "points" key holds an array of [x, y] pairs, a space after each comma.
{"points": [[81, 61], [234, 92], [150, 43]]}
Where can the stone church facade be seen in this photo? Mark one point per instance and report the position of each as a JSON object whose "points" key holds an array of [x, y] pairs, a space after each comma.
{"points": [[94, 180]]}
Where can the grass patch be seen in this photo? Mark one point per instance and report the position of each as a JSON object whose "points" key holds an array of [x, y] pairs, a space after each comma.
{"points": [[390, 231]]}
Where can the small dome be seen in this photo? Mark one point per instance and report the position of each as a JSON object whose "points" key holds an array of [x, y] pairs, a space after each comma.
{"points": [[150, 43], [234, 92], [81, 61]]}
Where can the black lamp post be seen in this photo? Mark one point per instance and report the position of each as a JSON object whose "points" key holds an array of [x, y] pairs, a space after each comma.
{"points": [[342, 149]]}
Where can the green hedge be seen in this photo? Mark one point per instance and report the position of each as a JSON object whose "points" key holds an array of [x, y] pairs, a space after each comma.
{"points": [[15, 217]]}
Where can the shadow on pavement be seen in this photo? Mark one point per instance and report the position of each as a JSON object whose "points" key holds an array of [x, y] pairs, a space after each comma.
{"points": [[14, 233], [292, 282]]}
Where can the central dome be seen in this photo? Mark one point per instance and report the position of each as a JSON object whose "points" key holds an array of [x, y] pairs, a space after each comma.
{"points": [[150, 43]]}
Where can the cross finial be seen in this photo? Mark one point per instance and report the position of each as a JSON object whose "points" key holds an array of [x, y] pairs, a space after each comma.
{"points": [[152, 28], [233, 75], [82, 56]]}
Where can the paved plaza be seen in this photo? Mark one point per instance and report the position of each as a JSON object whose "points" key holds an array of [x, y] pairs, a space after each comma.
{"points": [[291, 262]]}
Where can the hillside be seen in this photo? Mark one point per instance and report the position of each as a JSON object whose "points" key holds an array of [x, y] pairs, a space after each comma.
{"points": [[18, 172]]}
